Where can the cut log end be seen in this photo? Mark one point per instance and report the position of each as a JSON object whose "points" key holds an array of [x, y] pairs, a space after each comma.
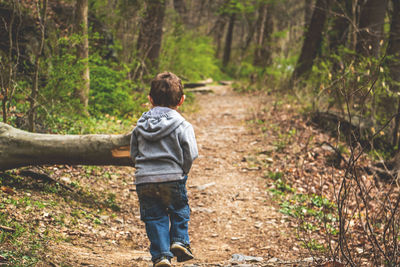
{"points": [[121, 152]]}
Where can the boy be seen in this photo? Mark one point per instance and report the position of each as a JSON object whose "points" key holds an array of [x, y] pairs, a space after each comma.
{"points": [[163, 147]]}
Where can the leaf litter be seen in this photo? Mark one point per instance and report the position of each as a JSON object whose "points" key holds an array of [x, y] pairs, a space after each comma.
{"points": [[234, 212]]}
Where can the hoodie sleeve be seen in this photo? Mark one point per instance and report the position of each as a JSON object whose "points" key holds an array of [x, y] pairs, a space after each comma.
{"points": [[134, 146], [189, 147]]}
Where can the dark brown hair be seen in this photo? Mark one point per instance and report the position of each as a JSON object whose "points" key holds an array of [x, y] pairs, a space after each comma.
{"points": [[166, 89]]}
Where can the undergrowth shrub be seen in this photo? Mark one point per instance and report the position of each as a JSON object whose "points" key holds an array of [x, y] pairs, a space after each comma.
{"points": [[364, 226], [279, 71], [112, 94], [346, 83], [189, 55], [62, 74]]}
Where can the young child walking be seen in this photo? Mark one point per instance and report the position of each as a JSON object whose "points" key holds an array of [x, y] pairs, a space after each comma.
{"points": [[163, 147]]}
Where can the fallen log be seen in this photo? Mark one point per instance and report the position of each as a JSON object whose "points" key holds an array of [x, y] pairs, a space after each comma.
{"points": [[359, 131], [193, 85], [188, 85], [20, 148], [202, 90]]}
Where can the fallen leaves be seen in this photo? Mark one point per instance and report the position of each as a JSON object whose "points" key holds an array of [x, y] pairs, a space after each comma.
{"points": [[3, 260], [7, 190]]}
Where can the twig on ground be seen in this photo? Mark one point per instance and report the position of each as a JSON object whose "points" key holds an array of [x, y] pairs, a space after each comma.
{"points": [[7, 229]]}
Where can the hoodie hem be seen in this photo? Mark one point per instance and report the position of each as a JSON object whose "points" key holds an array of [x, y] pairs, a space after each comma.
{"points": [[158, 178]]}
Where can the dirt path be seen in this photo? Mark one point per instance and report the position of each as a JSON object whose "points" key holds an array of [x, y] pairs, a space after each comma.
{"points": [[232, 212], [235, 215]]}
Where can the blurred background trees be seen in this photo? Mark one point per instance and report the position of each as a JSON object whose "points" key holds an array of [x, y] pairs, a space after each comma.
{"points": [[73, 60], [83, 66]]}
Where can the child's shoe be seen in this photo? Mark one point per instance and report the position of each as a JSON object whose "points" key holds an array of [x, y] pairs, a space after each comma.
{"points": [[181, 251], [163, 261]]}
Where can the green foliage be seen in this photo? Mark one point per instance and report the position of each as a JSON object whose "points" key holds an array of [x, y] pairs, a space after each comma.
{"points": [[189, 55], [313, 208], [313, 212], [114, 99], [280, 71], [75, 124], [237, 6], [110, 202], [346, 82], [281, 186], [97, 221], [62, 72], [314, 245], [275, 175], [111, 92], [243, 6], [366, 79], [284, 139], [246, 70], [274, 76], [20, 247]]}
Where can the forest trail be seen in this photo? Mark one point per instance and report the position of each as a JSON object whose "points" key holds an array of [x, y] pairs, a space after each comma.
{"points": [[232, 210]]}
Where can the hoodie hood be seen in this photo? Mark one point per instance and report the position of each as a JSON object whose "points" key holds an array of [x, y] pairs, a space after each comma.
{"points": [[158, 122]]}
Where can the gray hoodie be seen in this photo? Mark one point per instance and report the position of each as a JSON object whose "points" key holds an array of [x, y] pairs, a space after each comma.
{"points": [[163, 146]]}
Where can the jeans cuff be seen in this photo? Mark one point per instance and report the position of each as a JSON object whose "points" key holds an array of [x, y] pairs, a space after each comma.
{"points": [[167, 254], [181, 240]]}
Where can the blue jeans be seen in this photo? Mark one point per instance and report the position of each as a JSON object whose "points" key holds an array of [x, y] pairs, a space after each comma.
{"points": [[165, 211]]}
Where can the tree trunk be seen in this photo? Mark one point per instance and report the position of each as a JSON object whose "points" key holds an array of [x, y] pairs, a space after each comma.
{"points": [[10, 61], [19, 148], [308, 11], [228, 41], [262, 54], [338, 35], [218, 31], [354, 9], [42, 15], [180, 8], [252, 28], [393, 55], [81, 28], [372, 19], [8, 73], [312, 40], [150, 35]]}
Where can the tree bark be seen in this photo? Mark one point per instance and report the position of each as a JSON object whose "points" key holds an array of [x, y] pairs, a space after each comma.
{"points": [[262, 54], [150, 34], [251, 32], [372, 19], [42, 15], [218, 31], [19, 148], [308, 11], [8, 71], [81, 28], [338, 35], [228, 41], [11, 23], [180, 8], [312, 40], [393, 55]]}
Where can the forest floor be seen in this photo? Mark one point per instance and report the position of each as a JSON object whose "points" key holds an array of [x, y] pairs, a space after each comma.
{"points": [[244, 139]]}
